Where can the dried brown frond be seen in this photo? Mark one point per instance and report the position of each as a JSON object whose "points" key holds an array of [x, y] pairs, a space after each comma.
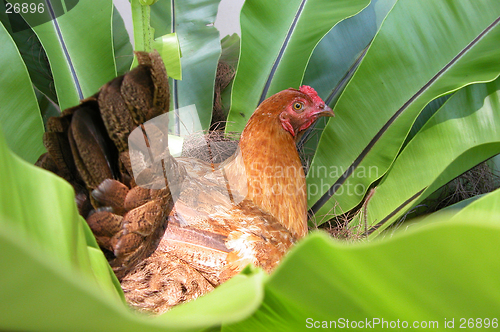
{"points": [[224, 76]]}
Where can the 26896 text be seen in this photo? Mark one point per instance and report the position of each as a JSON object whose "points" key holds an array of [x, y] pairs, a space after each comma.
{"points": [[24, 8], [478, 323]]}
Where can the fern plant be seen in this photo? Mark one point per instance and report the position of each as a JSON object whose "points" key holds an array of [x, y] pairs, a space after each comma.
{"points": [[380, 65]]}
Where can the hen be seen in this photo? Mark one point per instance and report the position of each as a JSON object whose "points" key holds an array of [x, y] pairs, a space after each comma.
{"points": [[190, 225]]}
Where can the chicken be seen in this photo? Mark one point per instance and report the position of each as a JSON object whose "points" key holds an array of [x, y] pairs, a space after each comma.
{"points": [[190, 225]]}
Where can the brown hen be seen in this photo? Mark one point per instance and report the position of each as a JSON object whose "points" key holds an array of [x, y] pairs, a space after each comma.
{"points": [[191, 224]]}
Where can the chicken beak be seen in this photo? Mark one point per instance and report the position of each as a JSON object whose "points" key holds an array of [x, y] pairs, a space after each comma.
{"points": [[324, 110]]}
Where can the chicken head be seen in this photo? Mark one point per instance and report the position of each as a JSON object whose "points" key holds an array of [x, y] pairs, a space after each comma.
{"points": [[303, 110]]}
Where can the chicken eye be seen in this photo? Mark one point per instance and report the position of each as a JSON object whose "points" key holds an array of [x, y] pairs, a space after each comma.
{"points": [[297, 106]]}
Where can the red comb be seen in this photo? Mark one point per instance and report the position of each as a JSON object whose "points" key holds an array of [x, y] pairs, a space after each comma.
{"points": [[311, 93]]}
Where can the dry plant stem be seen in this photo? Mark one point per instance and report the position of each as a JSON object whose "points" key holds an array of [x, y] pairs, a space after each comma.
{"points": [[365, 210], [225, 74]]}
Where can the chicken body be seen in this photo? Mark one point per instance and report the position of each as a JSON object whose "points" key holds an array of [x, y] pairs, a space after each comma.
{"points": [[208, 221]]}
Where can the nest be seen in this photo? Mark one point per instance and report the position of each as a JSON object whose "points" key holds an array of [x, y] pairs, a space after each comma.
{"points": [[477, 181], [212, 147]]}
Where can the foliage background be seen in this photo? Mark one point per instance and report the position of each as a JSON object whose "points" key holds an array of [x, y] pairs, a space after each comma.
{"points": [[381, 65]]}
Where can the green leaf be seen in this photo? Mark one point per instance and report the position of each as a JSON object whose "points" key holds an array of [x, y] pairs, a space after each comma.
{"points": [[32, 52], [19, 113], [341, 47], [426, 114], [40, 208], [454, 208], [44, 297], [79, 46], [160, 18], [200, 49], [457, 208], [230, 49], [121, 45], [411, 61], [340, 51], [463, 133], [277, 39], [168, 47], [443, 270], [47, 106], [486, 204]]}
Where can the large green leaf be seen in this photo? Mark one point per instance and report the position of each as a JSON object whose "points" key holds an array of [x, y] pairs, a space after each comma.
{"points": [[230, 53], [441, 272], [341, 47], [36, 61], [19, 113], [160, 17], [47, 107], [426, 114], [40, 209], [31, 50], [463, 133], [79, 46], [411, 61], [450, 209], [41, 296], [486, 204], [277, 39], [340, 51], [200, 49], [121, 44]]}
